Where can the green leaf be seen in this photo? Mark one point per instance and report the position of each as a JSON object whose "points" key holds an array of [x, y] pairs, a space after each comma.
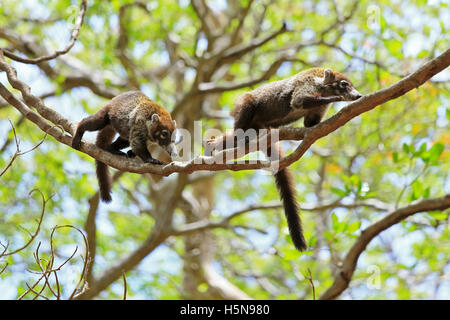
{"points": [[426, 193], [328, 235], [436, 151], [438, 215], [417, 190], [334, 219], [312, 241], [395, 47], [395, 157], [371, 194], [405, 148], [423, 54], [291, 254], [354, 226], [341, 193], [355, 180], [421, 150]]}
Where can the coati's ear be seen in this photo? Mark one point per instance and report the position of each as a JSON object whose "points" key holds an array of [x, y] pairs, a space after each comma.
{"points": [[174, 123], [155, 118], [153, 122], [328, 76]]}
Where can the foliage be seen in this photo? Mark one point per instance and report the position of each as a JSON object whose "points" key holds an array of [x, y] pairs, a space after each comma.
{"points": [[395, 154]]}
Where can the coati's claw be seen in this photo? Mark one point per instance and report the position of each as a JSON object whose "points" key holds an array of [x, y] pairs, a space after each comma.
{"points": [[155, 161]]}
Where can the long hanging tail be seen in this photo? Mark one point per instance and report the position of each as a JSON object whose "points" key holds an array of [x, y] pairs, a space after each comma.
{"points": [[104, 139], [284, 182]]}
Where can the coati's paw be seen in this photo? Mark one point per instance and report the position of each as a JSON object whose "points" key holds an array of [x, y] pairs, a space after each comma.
{"points": [[116, 152], [131, 154], [76, 143], [120, 153], [155, 161]]}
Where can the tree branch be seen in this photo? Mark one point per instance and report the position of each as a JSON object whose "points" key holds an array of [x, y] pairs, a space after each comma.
{"points": [[74, 36], [158, 235], [309, 135], [343, 278], [213, 88], [123, 40], [236, 52], [367, 103]]}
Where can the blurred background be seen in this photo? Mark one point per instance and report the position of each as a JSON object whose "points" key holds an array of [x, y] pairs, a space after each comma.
{"points": [[195, 58]]}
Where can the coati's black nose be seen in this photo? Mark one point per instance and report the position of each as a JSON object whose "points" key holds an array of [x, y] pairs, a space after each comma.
{"points": [[355, 94]]}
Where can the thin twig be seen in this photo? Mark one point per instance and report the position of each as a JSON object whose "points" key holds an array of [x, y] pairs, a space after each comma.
{"points": [[124, 286], [310, 279], [343, 278], [74, 36], [41, 218], [18, 152]]}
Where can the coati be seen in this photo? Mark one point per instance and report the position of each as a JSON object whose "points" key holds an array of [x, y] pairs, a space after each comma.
{"points": [[139, 121], [307, 94]]}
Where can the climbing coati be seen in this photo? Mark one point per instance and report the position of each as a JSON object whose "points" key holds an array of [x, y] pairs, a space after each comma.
{"points": [[307, 94], [139, 121]]}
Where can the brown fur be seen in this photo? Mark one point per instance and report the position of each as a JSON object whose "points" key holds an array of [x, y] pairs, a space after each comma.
{"points": [[285, 101], [138, 120], [307, 94]]}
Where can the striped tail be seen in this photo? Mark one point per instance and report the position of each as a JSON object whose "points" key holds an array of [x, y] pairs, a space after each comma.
{"points": [[284, 182], [104, 140]]}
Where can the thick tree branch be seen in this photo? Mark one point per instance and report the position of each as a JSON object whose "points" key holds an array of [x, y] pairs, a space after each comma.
{"points": [[309, 135], [367, 103], [343, 278], [207, 17]]}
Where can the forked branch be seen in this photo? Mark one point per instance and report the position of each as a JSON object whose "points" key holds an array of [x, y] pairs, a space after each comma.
{"points": [[343, 278]]}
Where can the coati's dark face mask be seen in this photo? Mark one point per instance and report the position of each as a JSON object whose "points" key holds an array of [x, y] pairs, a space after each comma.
{"points": [[336, 84], [163, 134], [345, 89]]}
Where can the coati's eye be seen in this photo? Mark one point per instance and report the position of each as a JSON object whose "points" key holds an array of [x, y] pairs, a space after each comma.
{"points": [[344, 84], [164, 134]]}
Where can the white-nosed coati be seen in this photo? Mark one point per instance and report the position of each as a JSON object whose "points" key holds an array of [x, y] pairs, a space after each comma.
{"points": [[307, 94], [139, 121]]}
